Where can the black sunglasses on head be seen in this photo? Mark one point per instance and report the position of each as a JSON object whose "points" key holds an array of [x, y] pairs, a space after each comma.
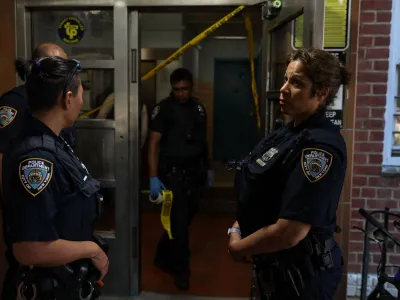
{"points": [[77, 68]]}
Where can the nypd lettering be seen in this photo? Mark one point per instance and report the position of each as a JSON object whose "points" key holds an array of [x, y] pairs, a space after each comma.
{"points": [[155, 112], [7, 115], [266, 157], [315, 163], [35, 174]]}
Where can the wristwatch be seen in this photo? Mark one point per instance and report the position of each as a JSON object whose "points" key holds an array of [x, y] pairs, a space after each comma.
{"points": [[235, 230]]}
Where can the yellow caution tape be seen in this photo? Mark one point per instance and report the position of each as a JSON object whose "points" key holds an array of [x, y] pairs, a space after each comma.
{"points": [[249, 29], [167, 197], [177, 53], [87, 114], [193, 42]]}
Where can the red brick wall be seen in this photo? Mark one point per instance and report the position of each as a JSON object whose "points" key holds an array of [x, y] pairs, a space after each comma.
{"points": [[370, 189]]}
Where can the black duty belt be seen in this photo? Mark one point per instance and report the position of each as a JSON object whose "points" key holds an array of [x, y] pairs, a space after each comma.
{"points": [[273, 270]]}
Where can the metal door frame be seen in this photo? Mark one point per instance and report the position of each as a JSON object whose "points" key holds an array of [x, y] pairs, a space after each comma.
{"points": [[124, 243], [313, 36]]}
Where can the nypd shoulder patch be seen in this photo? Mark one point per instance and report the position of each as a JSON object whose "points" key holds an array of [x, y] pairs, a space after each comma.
{"points": [[315, 163], [155, 112], [35, 174], [7, 115]]}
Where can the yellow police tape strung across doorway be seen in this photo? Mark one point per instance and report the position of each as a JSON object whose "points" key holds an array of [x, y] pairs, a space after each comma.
{"points": [[177, 53], [166, 198], [193, 42]]}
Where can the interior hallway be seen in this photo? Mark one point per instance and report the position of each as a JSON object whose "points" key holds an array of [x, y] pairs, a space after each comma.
{"points": [[213, 272]]}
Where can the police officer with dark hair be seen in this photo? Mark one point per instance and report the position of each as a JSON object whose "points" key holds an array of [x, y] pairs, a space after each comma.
{"points": [[289, 187], [13, 111], [14, 103], [50, 199], [178, 158]]}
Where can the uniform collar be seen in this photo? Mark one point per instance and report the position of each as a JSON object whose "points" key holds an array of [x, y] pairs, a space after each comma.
{"points": [[39, 126]]}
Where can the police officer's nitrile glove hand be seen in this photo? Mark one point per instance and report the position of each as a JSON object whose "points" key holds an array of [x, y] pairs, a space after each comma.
{"points": [[155, 187], [210, 177]]}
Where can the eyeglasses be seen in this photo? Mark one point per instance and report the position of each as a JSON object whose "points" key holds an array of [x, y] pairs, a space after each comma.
{"points": [[77, 68]]}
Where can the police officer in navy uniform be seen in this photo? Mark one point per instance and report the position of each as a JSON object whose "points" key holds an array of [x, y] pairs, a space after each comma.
{"points": [[178, 161], [50, 199], [289, 186], [13, 111], [14, 105]]}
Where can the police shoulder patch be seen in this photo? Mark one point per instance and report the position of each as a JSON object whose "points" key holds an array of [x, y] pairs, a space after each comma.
{"points": [[315, 163], [35, 174], [7, 115], [155, 112]]}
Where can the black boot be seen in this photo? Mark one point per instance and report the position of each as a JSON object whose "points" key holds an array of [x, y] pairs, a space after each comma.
{"points": [[182, 281]]}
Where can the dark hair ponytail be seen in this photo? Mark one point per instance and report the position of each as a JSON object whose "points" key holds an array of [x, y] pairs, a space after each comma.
{"points": [[23, 67]]}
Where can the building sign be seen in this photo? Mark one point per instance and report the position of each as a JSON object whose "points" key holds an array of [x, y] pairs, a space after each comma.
{"points": [[336, 26]]}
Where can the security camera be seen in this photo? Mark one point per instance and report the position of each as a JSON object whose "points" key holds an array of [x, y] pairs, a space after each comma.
{"points": [[271, 9]]}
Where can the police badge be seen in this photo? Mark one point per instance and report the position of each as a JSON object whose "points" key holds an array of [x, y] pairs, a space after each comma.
{"points": [[35, 174], [315, 163], [7, 115], [267, 156]]}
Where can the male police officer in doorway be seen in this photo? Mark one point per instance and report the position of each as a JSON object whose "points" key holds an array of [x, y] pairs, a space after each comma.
{"points": [[13, 111], [178, 158]]}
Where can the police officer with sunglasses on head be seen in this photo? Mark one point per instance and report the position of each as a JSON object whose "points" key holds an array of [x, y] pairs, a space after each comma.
{"points": [[13, 111], [50, 199]]}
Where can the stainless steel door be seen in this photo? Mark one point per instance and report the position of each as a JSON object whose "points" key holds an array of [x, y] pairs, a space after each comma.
{"points": [[107, 138]]}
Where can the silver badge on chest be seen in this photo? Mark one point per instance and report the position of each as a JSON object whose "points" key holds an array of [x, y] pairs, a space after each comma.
{"points": [[266, 157]]}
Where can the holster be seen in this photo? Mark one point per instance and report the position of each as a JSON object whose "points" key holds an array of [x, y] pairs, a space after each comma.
{"points": [[287, 271], [77, 280]]}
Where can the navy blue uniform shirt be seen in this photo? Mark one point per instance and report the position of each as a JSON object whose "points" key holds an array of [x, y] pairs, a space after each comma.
{"points": [[48, 192], [295, 173], [183, 127], [13, 110]]}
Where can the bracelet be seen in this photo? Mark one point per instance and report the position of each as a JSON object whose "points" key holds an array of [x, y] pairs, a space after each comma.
{"points": [[235, 230]]}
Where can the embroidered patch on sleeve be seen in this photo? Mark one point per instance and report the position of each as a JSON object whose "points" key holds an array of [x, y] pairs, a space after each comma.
{"points": [[315, 163], [35, 174], [155, 112], [7, 115]]}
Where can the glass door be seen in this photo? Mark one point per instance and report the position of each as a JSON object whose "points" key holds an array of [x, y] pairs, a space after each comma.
{"points": [[107, 129]]}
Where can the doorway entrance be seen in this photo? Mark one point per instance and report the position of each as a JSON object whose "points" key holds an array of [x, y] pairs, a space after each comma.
{"points": [[235, 120], [110, 50]]}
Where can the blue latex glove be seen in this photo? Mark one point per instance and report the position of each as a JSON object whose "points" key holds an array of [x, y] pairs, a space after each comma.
{"points": [[156, 186], [210, 177]]}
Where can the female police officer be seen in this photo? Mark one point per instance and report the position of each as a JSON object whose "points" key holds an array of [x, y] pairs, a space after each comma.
{"points": [[289, 186], [50, 198]]}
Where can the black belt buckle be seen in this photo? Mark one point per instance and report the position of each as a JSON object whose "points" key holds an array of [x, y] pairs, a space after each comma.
{"points": [[326, 260]]}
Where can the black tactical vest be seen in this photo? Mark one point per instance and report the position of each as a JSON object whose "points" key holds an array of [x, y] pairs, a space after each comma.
{"points": [[79, 204], [261, 177]]}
